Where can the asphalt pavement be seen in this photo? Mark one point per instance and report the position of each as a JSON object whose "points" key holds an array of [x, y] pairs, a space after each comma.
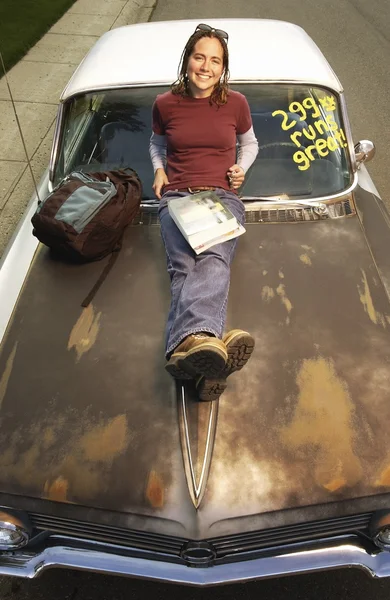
{"points": [[354, 36]]}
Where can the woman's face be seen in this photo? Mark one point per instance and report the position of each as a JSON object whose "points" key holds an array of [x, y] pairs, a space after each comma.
{"points": [[205, 67]]}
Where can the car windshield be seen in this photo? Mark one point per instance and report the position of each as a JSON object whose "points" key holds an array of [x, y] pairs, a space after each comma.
{"points": [[302, 142]]}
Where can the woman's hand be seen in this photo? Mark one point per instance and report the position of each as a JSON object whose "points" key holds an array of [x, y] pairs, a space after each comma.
{"points": [[236, 176], [160, 179]]}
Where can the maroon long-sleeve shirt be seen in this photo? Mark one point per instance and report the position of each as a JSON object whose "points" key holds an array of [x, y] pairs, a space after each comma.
{"points": [[201, 138]]}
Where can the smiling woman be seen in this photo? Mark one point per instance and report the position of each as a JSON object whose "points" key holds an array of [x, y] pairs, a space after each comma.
{"points": [[205, 67], [22, 27]]}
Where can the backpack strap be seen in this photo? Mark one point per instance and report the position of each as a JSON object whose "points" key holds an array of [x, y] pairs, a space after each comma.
{"points": [[114, 255], [120, 176]]}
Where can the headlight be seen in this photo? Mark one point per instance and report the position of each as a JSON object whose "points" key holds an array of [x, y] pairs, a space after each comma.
{"points": [[14, 533], [379, 529], [382, 538]]}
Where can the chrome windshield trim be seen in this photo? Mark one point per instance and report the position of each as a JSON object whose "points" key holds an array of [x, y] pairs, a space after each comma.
{"points": [[56, 141], [163, 83], [337, 555], [107, 88], [348, 133], [267, 200]]}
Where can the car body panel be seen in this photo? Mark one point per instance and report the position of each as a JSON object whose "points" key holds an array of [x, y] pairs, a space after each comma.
{"points": [[284, 52], [375, 221], [85, 399]]}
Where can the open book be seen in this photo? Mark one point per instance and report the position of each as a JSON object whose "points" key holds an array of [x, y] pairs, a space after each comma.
{"points": [[204, 220]]}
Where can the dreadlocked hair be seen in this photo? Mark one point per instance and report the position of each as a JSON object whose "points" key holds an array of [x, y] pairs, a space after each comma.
{"points": [[180, 86]]}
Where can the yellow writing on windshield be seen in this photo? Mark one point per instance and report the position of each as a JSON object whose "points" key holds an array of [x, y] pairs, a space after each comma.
{"points": [[324, 134]]}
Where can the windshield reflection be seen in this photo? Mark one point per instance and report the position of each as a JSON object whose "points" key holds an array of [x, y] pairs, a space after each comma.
{"points": [[302, 142]]}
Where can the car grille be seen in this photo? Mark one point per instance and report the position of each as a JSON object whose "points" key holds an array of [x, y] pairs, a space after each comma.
{"points": [[224, 546], [149, 216], [257, 540], [305, 213], [146, 217], [106, 533]]}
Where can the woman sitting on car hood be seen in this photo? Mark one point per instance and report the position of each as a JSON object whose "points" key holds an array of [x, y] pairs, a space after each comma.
{"points": [[196, 127]]}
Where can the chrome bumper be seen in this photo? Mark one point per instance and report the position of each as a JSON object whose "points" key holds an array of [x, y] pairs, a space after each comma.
{"points": [[25, 564]]}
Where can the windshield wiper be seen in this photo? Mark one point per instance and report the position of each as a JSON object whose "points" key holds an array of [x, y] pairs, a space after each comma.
{"points": [[320, 207]]}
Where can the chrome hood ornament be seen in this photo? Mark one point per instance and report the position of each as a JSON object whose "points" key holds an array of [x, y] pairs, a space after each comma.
{"points": [[197, 426]]}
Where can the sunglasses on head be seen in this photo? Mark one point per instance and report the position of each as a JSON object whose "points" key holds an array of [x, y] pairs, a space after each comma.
{"points": [[220, 32]]}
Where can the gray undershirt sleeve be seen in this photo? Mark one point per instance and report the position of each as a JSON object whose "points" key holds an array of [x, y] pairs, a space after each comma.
{"points": [[247, 150], [158, 151]]}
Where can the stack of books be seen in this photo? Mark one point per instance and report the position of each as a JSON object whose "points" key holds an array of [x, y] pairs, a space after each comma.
{"points": [[204, 220]]}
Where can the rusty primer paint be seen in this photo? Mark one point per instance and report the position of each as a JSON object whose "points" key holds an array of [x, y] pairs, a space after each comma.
{"points": [[336, 484], [48, 437], [366, 300], [78, 468], [85, 331], [384, 478], [7, 374], [57, 490], [267, 293], [106, 441], [155, 490], [323, 420], [280, 290], [305, 258]]}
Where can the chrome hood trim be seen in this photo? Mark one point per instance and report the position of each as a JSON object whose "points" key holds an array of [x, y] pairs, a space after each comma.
{"points": [[197, 435], [282, 201]]}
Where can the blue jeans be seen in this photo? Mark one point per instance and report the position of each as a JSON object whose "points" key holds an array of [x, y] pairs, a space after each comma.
{"points": [[199, 283]]}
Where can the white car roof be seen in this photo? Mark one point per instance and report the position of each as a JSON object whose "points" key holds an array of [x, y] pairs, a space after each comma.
{"points": [[149, 53]]}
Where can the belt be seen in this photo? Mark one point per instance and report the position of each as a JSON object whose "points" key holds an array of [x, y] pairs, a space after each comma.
{"points": [[197, 188]]}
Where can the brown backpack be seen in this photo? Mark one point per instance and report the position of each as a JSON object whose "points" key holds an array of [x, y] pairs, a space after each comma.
{"points": [[84, 218]]}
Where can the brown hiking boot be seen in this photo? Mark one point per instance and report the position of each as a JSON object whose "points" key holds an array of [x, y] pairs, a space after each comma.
{"points": [[239, 346], [198, 354]]}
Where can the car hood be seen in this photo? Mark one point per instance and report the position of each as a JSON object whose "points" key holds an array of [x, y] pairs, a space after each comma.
{"points": [[89, 418]]}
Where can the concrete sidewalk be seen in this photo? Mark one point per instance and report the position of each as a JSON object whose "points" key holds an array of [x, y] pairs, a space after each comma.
{"points": [[36, 84]]}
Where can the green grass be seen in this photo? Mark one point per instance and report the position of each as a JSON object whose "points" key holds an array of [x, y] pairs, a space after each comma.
{"points": [[24, 22]]}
